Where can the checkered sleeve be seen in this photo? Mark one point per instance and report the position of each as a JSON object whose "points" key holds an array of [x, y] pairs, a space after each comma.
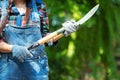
{"points": [[44, 19]]}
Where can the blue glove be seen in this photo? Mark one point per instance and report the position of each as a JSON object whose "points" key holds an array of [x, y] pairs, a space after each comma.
{"points": [[20, 53], [69, 27]]}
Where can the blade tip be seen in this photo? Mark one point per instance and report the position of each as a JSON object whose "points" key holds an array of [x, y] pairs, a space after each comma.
{"points": [[98, 5]]}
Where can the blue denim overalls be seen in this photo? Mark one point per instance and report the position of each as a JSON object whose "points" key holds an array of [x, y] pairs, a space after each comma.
{"points": [[35, 68]]}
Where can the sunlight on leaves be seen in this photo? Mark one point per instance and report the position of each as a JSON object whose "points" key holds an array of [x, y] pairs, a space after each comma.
{"points": [[76, 12], [98, 58], [73, 36], [71, 49], [62, 14], [109, 70], [101, 51]]}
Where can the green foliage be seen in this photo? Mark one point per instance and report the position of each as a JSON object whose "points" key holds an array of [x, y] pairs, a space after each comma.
{"points": [[87, 54]]}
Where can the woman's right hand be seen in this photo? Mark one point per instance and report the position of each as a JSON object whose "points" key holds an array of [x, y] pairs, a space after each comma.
{"points": [[21, 53]]}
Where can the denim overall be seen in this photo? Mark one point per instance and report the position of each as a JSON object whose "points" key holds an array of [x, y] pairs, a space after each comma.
{"points": [[35, 68]]}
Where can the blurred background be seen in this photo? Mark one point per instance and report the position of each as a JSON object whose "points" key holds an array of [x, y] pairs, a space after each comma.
{"points": [[91, 53]]}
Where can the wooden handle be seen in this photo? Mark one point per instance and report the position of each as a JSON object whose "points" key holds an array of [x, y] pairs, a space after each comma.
{"points": [[47, 38], [58, 37]]}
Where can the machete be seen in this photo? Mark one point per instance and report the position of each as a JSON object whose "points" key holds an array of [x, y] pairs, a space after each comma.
{"points": [[61, 30]]}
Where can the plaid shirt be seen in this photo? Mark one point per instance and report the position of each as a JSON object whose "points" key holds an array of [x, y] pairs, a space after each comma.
{"points": [[41, 14]]}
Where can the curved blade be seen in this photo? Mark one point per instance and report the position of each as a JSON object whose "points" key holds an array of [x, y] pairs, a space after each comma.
{"points": [[88, 15]]}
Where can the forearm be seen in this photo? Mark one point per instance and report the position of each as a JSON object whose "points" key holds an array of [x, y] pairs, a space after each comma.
{"points": [[4, 47]]}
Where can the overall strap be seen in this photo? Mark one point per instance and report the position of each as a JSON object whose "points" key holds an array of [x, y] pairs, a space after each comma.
{"points": [[34, 4], [39, 1], [35, 13]]}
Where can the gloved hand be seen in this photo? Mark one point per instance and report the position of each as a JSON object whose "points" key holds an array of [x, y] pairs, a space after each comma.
{"points": [[69, 27], [21, 53]]}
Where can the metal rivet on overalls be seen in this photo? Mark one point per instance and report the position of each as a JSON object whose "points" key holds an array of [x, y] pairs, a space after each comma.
{"points": [[38, 57]]}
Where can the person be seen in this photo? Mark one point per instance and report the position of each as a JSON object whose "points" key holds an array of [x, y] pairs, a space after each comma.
{"points": [[26, 23]]}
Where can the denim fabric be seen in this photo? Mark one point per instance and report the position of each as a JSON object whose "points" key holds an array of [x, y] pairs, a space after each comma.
{"points": [[32, 69]]}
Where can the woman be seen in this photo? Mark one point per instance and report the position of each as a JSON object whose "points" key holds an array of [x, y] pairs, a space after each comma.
{"points": [[27, 23]]}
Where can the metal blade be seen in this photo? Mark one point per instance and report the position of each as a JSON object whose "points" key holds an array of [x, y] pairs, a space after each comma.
{"points": [[88, 15]]}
